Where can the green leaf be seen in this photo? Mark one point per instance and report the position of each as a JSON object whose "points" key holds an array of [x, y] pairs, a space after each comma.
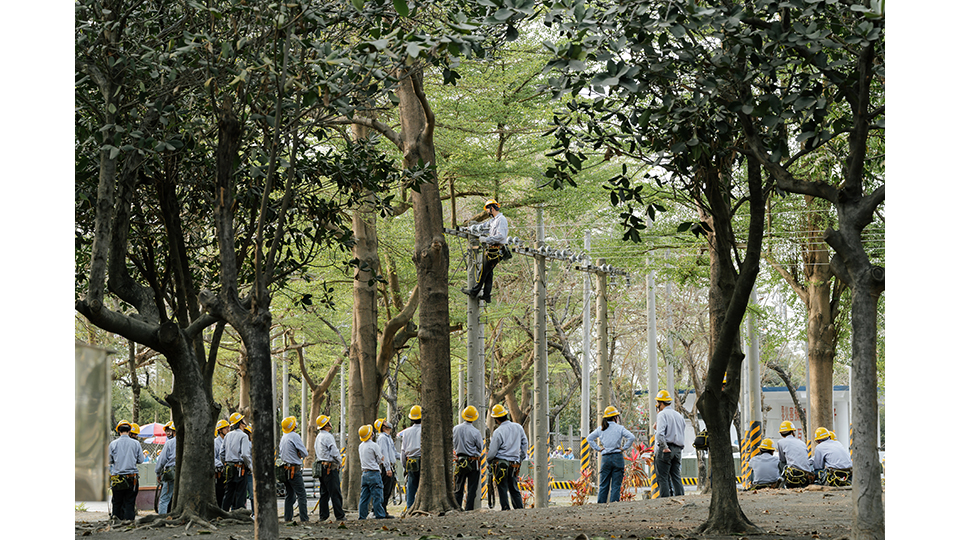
{"points": [[401, 6], [358, 4], [512, 33]]}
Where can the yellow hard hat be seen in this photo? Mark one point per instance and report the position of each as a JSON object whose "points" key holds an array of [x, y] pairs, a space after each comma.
{"points": [[365, 431], [235, 417], [169, 425], [322, 420], [786, 426], [498, 411], [833, 436], [134, 428], [415, 412], [121, 423], [491, 202], [288, 424], [248, 428], [766, 444], [610, 412], [378, 424], [470, 413], [821, 434], [221, 423], [664, 396]]}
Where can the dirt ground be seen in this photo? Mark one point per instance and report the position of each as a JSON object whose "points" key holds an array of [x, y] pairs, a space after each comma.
{"points": [[797, 513]]}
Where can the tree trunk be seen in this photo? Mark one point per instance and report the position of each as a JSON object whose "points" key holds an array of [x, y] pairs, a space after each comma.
{"points": [[432, 259]]}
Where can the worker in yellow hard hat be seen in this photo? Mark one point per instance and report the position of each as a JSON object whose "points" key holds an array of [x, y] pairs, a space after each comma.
{"points": [[388, 475], [236, 455], [795, 462], [371, 487], [410, 454], [220, 430], [831, 460], [494, 242], [467, 445], [124, 456], [291, 453], [508, 446], [166, 468], [326, 469], [613, 440], [668, 445], [764, 467]]}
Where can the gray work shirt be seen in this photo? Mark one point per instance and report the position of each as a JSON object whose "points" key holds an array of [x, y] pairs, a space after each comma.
{"points": [[292, 449], [236, 449], [499, 229], [125, 453], [389, 451], [217, 445], [325, 447], [168, 456], [410, 442], [467, 441], [509, 442], [612, 440], [765, 468], [793, 453], [370, 455], [831, 454], [670, 427]]}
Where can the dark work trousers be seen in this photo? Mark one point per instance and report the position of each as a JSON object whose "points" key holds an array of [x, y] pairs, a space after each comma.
{"points": [[468, 475], [218, 485], [235, 490], [125, 502], [296, 492], [389, 482], [330, 494], [667, 466], [485, 281], [507, 489]]}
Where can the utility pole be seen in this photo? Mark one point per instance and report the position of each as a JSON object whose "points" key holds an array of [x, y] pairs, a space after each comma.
{"points": [[605, 396], [668, 361], [585, 363], [541, 479], [475, 371], [343, 404], [286, 381], [651, 343]]}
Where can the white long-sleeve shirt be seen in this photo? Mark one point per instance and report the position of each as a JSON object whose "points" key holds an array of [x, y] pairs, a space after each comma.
{"points": [[793, 453], [236, 449], [410, 442], [325, 447], [125, 453], [292, 450], [508, 442], [370, 455], [670, 428], [389, 451], [831, 455], [168, 456], [499, 229], [467, 441], [615, 438]]}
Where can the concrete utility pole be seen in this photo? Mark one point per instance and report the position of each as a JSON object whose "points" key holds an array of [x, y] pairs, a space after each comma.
{"points": [[286, 382], [652, 383], [753, 382], [585, 363], [541, 481], [343, 404], [668, 362], [475, 372], [303, 408], [605, 396]]}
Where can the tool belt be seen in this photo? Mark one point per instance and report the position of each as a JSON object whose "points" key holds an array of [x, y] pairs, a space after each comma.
{"points": [[169, 474], [467, 464], [505, 469], [411, 465], [766, 485], [235, 471], [218, 471], [494, 252], [323, 468], [794, 477], [124, 481], [289, 471], [837, 477]]}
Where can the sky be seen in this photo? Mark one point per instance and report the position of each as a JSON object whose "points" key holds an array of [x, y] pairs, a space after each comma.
{"points": [[921, 297]]}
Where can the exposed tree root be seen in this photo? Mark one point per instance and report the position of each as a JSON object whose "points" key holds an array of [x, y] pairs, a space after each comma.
{"points": [[729, 526]]}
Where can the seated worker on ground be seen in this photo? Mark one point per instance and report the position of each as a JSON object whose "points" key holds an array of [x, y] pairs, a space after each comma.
{"points": [[765, 467], [831, 460], [796, 462]]}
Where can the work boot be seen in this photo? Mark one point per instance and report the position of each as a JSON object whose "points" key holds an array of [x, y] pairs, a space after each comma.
{"points": [[469, 292]]}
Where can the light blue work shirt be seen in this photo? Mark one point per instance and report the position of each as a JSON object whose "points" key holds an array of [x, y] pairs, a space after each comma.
{"points": [[765, 468], [410, 442], [217, 445], [292, 449], [125, 453], [831, 454], [613, 440], [168, 456], [236, 449], [499, 229], [370, 456], [793, 453], [325, 447], [467, 441], [509, 442], [670, 427], [389, 451]]}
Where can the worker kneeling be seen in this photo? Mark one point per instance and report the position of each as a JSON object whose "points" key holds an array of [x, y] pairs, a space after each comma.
{"points": [[831, 460]]}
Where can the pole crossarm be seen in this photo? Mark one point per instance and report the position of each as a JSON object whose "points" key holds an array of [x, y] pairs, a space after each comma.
{"points": [[579, 260]]}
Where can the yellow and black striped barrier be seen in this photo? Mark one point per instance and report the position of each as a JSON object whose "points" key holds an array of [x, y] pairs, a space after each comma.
{"points": [[688, 481], [749, 447], [652, 482], [851, 441], [562, 485], [584, 455], [484, 485]]}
